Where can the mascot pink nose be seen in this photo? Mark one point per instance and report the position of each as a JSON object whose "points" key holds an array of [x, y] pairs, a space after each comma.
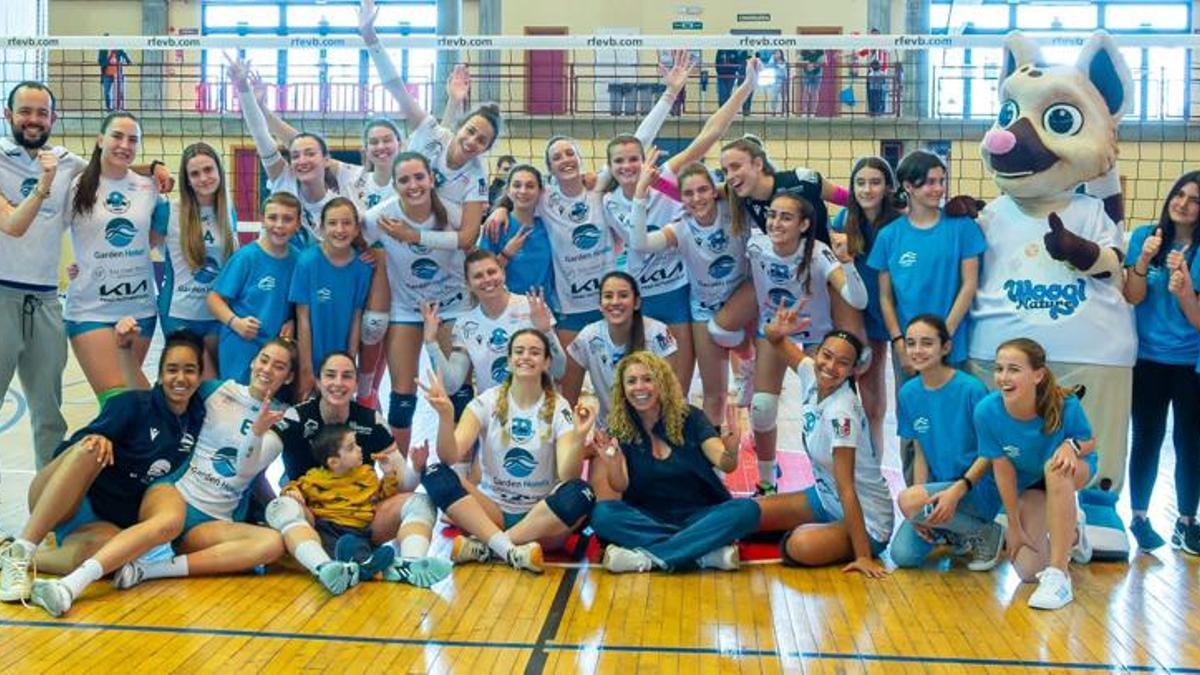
{"points": [[999, 141]]}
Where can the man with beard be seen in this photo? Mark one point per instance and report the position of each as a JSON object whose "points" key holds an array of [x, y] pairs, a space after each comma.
{"points": [[33, 341]]}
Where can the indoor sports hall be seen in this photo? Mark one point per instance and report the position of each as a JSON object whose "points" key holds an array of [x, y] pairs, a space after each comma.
{"points": [[816, 88]]}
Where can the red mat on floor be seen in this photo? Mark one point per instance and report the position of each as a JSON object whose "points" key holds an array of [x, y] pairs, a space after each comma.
{"points": [[763, 549]]}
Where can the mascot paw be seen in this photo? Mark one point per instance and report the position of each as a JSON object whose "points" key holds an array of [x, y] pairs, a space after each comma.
{"points": [[964, 206], [1066, 246], [1105, 531]]}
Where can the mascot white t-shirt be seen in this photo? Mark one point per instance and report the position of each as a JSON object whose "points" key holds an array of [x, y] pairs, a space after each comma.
{"points": [[1023, 292]]}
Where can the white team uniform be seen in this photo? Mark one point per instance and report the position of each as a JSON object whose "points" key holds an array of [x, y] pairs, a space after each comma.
{"points": [[1026, 293], [223, 462], [112, 250], [365, 191], [839, 421], [187, 289], [33, 259], [520, 467], [593, 349], [310, 212], [656, 273], [468, 183], [776, 282], [582, 246], [714, 259], [485, 340], [418, 273]]}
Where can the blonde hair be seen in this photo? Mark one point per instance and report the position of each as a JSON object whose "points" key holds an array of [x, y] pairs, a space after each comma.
{"points": [[1050, 397], [549, 393], [191, 230], [622, 424]]}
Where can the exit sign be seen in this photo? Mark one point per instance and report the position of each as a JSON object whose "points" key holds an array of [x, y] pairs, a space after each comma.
{"points": [[687, 25]]}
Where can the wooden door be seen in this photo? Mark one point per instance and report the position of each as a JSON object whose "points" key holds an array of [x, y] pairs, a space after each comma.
{"points": [[545, 76]]}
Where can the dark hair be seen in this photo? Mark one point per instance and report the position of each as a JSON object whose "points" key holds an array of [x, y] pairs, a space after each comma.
{"points": [[328, 441], [698, 169], [337, 202], [914, 169], [550, 144], [856, 343], [284, 198], [490, 112], [506, 158], [191, 230], [860, 231], [182, 338], [808, 238], [938, 325], [440, 217], [549, 393], [330, 175], [330, 355], [637, 329], [36, 86], [367, 166], [524, 168], [1168, 226], [89, 178], [286, 392]]}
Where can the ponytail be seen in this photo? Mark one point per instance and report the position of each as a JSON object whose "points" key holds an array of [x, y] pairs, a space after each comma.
{"points": [[1051, 398], [89, 179]]}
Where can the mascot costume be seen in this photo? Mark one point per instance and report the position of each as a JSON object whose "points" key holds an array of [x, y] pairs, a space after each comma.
{"points": [[1052, 271]]}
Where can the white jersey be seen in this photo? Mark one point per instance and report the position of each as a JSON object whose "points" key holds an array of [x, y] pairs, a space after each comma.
{"points": [[223, 462], [779, 280], [520, 467], [1023, 292], [594, 350], [714, 259], [185, 290], [467, 183], [839, 421], [417, 273], [33, 259], [581, 244], [366, 192], [485, 340], [310, 212], [112, 250], [656, 273]]}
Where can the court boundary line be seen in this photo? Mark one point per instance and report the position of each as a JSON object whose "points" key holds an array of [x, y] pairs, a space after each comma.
{"points": [[575, 647]]}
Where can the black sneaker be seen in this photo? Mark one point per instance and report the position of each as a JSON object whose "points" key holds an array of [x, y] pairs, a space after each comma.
{"points": [[1186, 537]]}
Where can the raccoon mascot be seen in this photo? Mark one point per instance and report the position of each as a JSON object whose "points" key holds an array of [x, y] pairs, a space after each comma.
{"points": [[1052, 271]]}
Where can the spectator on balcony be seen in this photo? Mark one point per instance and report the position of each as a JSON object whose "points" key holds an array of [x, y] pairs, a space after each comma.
{"points": [[731, 69], [878, 66], [112, 77], [500, 178]]}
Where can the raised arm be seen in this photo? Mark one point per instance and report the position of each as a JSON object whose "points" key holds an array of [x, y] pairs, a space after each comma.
{"points": [[458, 89], [454, 368], [256, 123], [785, 322], [718, 123], [410, 109], [641, 240]]}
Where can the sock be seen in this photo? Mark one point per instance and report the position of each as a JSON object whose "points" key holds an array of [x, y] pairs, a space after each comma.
{"points": [[163, 569], [766, 471], [24, 547], [413, 546], [500, 544], [310, 554], [83, 576]]}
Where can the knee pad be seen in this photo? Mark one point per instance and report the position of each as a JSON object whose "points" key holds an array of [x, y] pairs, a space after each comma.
{"points": [[572, 501], [374, 327], [284, 513], [401, 408], [764, 409], [461, 399], [443, 485], [418, 509], [725, 338]]}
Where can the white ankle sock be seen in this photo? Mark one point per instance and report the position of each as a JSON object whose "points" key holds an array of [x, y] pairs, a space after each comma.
{"points": [[500, 544], [83, 576], [413, 546], [766, 471], [25, 547], [164, 569], [311, 555]]}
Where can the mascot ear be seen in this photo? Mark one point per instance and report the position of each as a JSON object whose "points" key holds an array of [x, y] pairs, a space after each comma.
{"points": [[1104, 66], [1018, 51]]}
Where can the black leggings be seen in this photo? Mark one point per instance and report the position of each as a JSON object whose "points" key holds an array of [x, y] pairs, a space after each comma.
{"points": [[1157, 386]]}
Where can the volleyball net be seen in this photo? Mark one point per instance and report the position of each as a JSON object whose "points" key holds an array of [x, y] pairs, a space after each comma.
{"points": [[820, 101]]}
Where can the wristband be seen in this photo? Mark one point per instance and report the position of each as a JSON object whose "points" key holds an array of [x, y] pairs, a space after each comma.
{"points": [[155, 163], [229, 323], [896, 338], [1075, 446], [970, 485], [1135, 271]]}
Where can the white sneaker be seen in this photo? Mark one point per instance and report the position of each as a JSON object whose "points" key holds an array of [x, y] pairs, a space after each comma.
{"points": [[619, 560], [526, 557], [128, 575], [724, 558], [1081, 552], [469, 549], [1053, 591], [15, 577], [51, 595]]}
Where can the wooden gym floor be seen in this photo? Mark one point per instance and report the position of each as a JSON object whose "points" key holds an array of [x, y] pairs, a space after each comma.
{"points": [[1140, 617]]}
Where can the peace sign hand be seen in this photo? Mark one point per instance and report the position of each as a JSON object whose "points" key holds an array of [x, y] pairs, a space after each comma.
{"points": [[435, 394], [539, 311]]}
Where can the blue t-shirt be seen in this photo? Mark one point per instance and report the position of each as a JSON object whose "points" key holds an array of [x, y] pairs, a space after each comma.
{"points": [[1023, 442], [332, 294], [873, 316], [149, 442], [533, 265], [1164, 333], [254, 283], [925, 266]]}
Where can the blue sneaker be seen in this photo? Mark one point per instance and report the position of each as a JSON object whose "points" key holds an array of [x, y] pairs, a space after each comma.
{"points": [[1143, 532]]}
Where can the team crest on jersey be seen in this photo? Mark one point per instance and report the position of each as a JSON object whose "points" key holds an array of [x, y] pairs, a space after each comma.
{"points": [[498, 341], [664, 341], [521, 428], [311, 427], [27, 186], [596, 346], [585, 237], [225, 462], [372, 200], [433, 148], [324, 295], [418, 249], [499, 369], [158, 468], [187, 442], [1011, 451], [467, 329], [907, 259], [208, 273], [722, 267], [717, 241], [778, 273], [266, 284], [424, 268], [116, 202], [810, 421], [519, 462], [921, 425], [579, 212], [841, 427], [780, 297], [119, 232], [439, 178]]}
